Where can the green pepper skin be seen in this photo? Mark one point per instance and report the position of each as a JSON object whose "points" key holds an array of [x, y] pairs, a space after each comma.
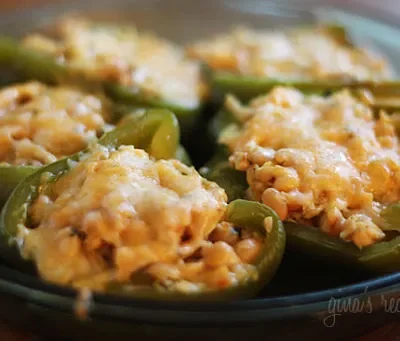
{"points": [[383, 257], [148, 133], [10, 177], [156, 130], [252, 215], [34, 65], [31, 64], [248, 87], [391, 216], [221, 120], [219, 170], [136, 99]]}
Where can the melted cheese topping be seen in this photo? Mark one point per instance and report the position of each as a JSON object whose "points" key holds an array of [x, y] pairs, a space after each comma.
{"points": [[40, 124], [317, 160], [120, 54], [302, 54], [121, 214]]}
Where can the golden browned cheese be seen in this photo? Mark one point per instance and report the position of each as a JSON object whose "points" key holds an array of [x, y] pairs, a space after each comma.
{"points": [[40, 124], [121, 214], [302, 54], [321, 161], [122, 54]]}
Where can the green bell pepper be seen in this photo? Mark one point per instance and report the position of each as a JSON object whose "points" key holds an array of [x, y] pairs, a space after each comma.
{"points": [[383, 256], [246, 87], [31, 64], [219, 170], [11, 175], [152, 132]]}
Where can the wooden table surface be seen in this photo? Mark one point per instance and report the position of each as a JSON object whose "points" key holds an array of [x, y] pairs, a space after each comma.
{"points": [[388, 332]]}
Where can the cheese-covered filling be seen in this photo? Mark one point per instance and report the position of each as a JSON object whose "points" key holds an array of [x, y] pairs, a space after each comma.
{"points": [[40, 124], [296, 54], [321, 161], [120, 216], [121, 54]]}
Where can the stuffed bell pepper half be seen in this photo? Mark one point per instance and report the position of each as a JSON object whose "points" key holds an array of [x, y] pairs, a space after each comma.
{"points": [[315, 59], [138, 69], [125, 217], [328, 167]]}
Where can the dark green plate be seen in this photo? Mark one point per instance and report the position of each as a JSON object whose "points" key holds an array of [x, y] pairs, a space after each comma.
{"points": [[308, 299]]}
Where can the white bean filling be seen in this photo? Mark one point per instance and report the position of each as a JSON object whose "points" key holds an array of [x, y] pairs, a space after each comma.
{"points": [[41, 124], [321, 161], [121, 54], [296, 54], [121, 215]]}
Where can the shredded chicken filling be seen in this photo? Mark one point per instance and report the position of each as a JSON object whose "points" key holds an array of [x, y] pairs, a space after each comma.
{"points": [[119, 216], [302, 54], [321, 161], [40, 124], [121, 54]]}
